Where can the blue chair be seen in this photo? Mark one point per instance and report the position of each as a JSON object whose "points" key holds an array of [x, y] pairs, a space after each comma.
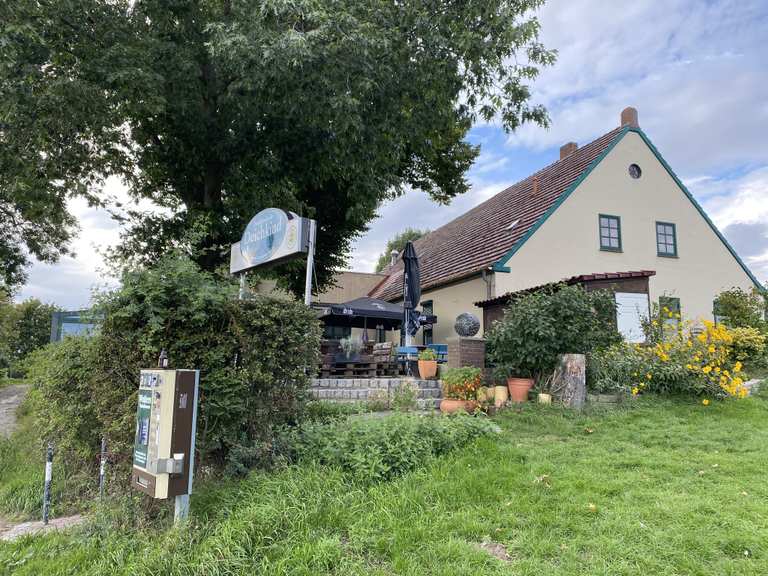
{"points": [[407, 353]]}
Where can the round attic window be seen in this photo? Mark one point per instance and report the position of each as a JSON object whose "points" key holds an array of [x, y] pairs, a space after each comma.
{"points": [[634, 171]]}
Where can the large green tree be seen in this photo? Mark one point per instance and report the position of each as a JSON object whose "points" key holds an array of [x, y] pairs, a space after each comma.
{"points": [[215, 109], [24, 327], [398, 243]]}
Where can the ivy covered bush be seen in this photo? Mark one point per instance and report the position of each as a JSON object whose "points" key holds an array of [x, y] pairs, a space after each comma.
{"points": [[537, 327], [253, 355], [374, 449]]}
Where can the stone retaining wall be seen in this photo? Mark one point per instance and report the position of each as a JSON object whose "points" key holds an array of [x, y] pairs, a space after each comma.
{"points": [[382, 390]]}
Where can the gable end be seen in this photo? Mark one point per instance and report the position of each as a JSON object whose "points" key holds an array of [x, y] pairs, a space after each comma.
{"points": [[501, 264]]}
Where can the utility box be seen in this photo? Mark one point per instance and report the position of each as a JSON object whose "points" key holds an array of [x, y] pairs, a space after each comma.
{"points": [[164, 446]]}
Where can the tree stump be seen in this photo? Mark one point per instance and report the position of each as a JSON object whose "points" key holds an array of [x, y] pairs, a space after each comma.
{"points": [[569, 382]]}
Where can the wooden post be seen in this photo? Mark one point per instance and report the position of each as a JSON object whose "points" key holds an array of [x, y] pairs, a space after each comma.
{"points": [[569, 382]]}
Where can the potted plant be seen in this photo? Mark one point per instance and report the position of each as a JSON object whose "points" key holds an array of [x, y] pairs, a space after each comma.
{"points": [[460, 387], [518, 385], [427, 363]]}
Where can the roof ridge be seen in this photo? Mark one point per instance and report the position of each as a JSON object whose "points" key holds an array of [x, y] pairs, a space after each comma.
{"points": [[480, 236], [613, 132]]}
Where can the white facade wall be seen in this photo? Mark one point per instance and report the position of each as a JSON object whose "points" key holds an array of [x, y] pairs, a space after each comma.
{"points": [[568, 243]]}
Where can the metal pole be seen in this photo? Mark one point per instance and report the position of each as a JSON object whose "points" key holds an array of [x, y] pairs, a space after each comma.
{"points": [[48, 477], [102, 466], [241, 293], [310, 263], [180, 508], [181, 503]]}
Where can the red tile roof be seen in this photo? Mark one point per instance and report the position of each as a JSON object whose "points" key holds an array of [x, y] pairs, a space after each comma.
{"points": [[479, 238], [581, 279]]}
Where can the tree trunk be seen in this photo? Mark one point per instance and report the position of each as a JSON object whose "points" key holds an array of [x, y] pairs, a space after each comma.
{"points": [[569, 384]]}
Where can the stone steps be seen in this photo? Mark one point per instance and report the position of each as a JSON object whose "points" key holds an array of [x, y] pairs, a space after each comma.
{"points": [[375, 389]]}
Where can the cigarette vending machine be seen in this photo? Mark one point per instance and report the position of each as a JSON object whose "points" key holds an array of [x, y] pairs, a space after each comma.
{"points": [[164, 446]]}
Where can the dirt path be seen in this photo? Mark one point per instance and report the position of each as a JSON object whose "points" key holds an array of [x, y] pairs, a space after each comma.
{"points": [[10, 399]]}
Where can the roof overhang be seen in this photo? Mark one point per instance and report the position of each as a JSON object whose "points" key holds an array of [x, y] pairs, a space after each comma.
{"points": [[573, 280]]}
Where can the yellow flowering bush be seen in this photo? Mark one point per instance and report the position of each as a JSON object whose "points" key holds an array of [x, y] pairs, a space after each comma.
{"points": [[682, 358], [692, 358]]}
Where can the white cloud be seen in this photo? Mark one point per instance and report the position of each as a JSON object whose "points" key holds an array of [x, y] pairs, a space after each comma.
{"points": [[695, 71], [739, 208], [70, 282]]}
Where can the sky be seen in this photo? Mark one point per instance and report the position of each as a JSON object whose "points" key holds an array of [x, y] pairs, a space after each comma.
{"points": [[694, 69]]}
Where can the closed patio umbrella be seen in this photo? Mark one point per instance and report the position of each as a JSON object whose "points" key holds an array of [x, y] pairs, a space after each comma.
{"points": [[411, 292]]}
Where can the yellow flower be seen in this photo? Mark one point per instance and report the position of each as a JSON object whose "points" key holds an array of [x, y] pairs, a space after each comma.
{"points": [[707, 369], [654, 323], [705, 402], [635, 391], [649, 376], [737, 367], [689, 366], [711, 349]]}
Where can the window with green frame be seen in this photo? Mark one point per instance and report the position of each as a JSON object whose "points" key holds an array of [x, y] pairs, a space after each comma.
{"points": [[669, 305], [427, 308], [610, 233], [666, 239]]}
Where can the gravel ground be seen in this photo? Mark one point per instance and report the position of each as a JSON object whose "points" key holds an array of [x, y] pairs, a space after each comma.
{"points": [[10, 398]]}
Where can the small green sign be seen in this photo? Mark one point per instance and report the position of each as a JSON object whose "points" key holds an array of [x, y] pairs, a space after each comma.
{"points": [[141, 442]]}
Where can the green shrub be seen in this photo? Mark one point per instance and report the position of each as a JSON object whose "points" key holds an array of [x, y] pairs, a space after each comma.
{"points": [[63, 402], [325, 411], [738, 308], [373, 449], [253, 356], [537, 327], [404, 396], [748, 345]]}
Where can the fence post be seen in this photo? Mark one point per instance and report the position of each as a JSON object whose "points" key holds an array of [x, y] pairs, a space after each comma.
{"points": [[48, 477], [102, 466]]}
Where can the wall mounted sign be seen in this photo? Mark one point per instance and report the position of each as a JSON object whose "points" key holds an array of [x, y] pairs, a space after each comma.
{"points": [[271, 236]]}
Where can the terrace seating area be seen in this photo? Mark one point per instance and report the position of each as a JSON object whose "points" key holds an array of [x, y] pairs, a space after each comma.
{"points": [[375, 360]]}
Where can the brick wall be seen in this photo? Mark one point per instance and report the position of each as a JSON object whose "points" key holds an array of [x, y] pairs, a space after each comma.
{"points": [[466, 352]]}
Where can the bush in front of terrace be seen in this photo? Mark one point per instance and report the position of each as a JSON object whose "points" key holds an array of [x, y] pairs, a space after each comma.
{"points": [[374, 449], [86, 388], [537, 327]]}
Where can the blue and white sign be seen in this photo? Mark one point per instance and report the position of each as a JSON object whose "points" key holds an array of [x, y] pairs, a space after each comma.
{"points": [[272, 235]]}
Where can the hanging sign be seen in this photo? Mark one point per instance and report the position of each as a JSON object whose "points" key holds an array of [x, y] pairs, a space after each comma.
{"points": [[273, 235]]}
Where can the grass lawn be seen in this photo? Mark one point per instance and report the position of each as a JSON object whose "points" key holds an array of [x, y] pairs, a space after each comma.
{"points": [[668, 487]]}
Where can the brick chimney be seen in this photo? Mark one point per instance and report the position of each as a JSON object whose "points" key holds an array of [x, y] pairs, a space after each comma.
{"points": [[629, 117], [568, 149], [535, 189]]}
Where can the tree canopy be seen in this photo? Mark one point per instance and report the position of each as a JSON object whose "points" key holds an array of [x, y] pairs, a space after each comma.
{"points": [[398, 243], [215, 109], [24, 327]]}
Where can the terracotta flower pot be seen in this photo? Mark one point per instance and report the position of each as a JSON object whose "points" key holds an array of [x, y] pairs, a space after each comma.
{"points": [[450, 405], [427, 369], [518, 389]]}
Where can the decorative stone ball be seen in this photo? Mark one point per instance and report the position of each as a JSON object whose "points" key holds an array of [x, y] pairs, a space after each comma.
{"points": [[466, 324]]}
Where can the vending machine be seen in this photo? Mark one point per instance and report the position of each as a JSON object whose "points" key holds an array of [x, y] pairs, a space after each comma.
{"points": [[164, 446]]}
